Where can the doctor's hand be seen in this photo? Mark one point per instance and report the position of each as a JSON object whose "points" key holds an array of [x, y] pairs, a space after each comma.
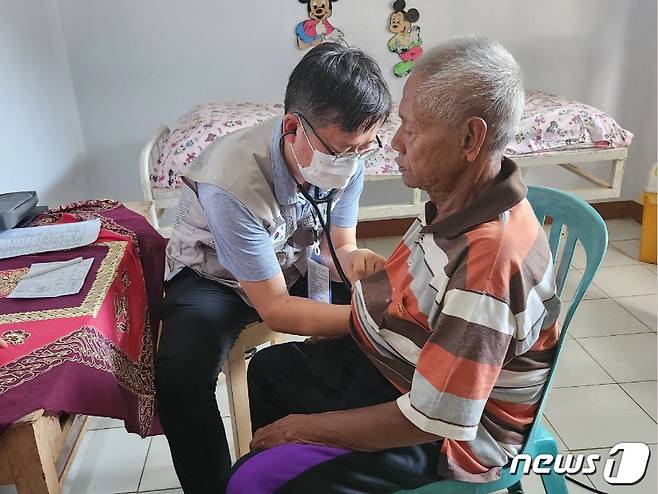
{"points": [[364, 262]]}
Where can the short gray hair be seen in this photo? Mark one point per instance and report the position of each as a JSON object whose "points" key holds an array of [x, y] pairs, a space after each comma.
{"points": [[473, 76]]}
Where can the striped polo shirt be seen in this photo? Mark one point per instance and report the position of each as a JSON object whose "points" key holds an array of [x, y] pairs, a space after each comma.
{"points": [[462, 321]]}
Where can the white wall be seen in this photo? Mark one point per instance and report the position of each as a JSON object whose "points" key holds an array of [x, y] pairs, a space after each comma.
{"points": [[39, 121], [137, 64]]}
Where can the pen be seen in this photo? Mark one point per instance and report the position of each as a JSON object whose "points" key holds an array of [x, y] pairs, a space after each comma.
{"points": [[50, 269]]}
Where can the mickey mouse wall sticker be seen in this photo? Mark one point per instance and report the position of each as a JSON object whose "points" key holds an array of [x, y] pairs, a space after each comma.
{"points": [[317, 29], [406, 41]]}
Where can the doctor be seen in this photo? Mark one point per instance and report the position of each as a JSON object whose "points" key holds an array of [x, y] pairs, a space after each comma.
{"points": [[250, 224]]}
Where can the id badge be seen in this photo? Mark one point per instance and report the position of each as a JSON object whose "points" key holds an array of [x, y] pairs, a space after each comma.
{"points": [[278, 236], [318, 276]]}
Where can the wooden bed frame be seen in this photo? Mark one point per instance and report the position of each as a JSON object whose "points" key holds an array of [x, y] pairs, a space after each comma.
{"points": [[570, 160]]}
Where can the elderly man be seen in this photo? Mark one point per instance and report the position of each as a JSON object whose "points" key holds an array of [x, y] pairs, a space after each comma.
{"points": [[451, 343], [253, 216]]}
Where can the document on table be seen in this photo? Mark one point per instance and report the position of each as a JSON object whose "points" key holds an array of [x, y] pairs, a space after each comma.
{"points": [[22, 241], [53, 279]]}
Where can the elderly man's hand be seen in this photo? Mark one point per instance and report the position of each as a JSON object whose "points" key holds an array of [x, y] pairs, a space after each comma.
{"points": [[364, 262], [3, 343], [289, 429]]}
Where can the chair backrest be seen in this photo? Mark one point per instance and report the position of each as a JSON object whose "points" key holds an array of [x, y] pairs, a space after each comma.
{"points": [[148, 158], [573, 220]]}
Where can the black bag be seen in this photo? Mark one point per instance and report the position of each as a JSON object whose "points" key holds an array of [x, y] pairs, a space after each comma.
{"points": [[17, 208]]}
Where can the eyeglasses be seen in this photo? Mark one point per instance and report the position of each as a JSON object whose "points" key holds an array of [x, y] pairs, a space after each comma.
{"points": [[361, 155]]}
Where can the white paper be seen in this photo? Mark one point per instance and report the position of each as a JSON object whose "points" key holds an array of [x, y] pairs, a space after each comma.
{"points": [[22, 241], [53, 279]]}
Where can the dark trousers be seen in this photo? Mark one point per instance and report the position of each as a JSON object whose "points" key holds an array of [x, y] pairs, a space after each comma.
{"points": [[313, 377], [201, 320], [316, 377]]}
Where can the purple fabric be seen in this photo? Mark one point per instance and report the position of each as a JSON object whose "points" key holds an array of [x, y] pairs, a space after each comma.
{"points": [[75, 388], [268, 470], [151, 254]]}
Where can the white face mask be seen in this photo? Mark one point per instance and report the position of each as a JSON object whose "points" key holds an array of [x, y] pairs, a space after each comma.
{"points": [[325, 171]]}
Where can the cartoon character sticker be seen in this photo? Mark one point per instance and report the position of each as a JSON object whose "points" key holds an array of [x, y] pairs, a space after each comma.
{"points": [[406, 40], [317, 28]]}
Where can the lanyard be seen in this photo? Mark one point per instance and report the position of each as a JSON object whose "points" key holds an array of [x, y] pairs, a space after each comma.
{"points": [[326, 227]]}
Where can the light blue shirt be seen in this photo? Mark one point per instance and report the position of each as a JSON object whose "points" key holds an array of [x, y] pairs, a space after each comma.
{"points": [[244, 246]]}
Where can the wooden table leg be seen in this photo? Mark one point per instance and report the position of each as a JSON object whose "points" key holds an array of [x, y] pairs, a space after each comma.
{"points": [[37, 451], [31, 458]]}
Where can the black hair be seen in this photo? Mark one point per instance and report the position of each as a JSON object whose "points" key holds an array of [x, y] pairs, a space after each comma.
{"points": [[411, 16], [336, 84], [308, 4]]}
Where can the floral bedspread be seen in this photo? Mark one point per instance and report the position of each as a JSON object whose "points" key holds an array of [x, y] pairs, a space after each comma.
{"points": [[549, 123]]}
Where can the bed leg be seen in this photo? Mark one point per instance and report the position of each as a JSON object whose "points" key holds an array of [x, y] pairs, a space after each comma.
{"points": [[617, 176]]}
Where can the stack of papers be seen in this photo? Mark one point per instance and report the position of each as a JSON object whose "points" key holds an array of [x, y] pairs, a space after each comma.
{"points": [[23, 241], [53, 279], [50, 279]]}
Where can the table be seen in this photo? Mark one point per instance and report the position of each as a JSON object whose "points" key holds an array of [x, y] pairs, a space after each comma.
{"points": [[90, 354]]}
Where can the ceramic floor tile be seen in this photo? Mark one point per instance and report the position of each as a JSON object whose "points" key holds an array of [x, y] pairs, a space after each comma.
{"points": [[577, 368], [108, 461], [222, 400], [532, 485], [603, 317], [623, 229], [625, 281], [631, 248], [97, 423], [167, 491], [560, 443], [228, 427], [613, 257], [645, 486], [583, 479], [578, 259], [382, 245], [569, 290], [626, 358], [590, 417], [642, 307], [159, 470], [644, 393], [222, 397], [651, 267]]}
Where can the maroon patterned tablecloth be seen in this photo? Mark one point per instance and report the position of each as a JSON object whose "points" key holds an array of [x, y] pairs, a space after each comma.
{"points": [[92, 352]]}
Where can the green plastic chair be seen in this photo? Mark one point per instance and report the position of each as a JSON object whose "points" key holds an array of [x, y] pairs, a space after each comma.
{"points": [[583, 224]]}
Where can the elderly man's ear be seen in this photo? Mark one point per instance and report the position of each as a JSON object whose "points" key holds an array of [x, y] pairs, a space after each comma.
{"points": [[476, 133]]}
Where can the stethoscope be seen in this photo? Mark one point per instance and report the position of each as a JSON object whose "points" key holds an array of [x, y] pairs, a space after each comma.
{"points": [[326, 225]]}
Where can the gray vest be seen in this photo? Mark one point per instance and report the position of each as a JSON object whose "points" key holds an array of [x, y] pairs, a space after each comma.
{"points": [[240, 163]]}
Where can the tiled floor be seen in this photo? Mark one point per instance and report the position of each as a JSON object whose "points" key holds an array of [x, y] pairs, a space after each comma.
{"points": [[604, 392]]}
